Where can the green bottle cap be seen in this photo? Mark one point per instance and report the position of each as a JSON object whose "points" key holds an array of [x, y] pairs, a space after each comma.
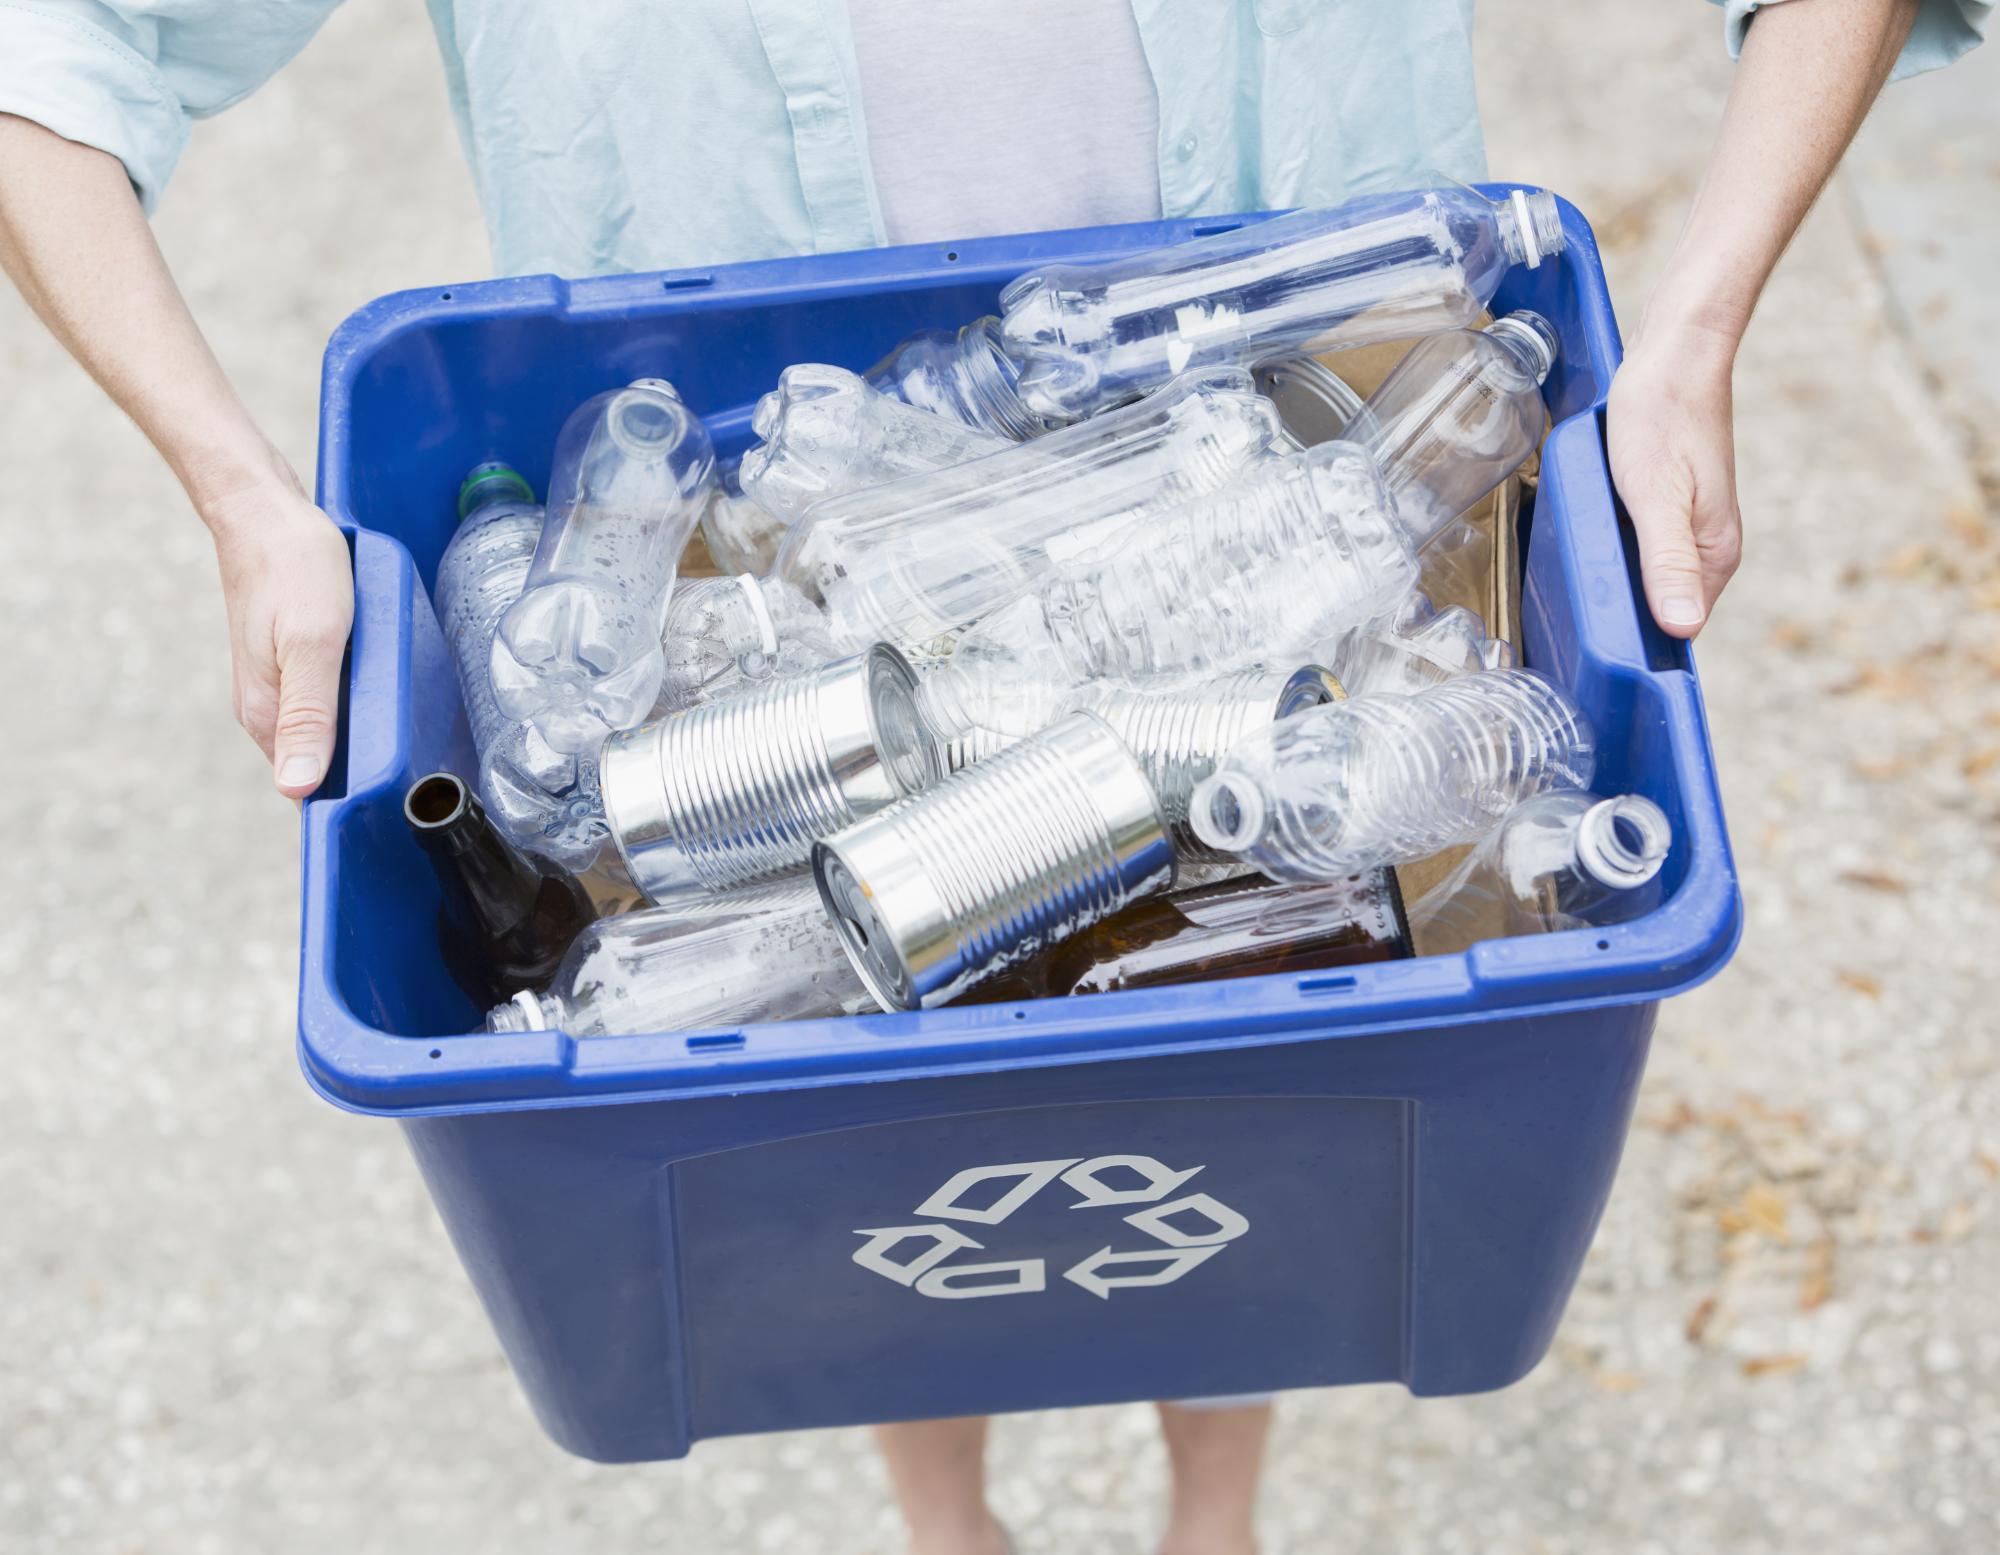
{"points": [[491, 482]]}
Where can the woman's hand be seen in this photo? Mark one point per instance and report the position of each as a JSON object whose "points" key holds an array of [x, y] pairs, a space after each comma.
{"points": [[288, 584], [1673, 458]]}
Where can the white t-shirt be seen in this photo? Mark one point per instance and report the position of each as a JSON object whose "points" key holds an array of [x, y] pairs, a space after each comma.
{"points": [[990, 116]]}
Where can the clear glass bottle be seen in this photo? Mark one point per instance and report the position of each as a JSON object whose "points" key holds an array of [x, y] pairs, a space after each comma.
{"points": [[578, 654], [1296, 551], [1385, 267], [506, 918], [1418, 646], [826, 432], [1458, 415], [913, 560], [1558, 861], [648, 972], [1389, 779], [545, 801], [965, 375]]}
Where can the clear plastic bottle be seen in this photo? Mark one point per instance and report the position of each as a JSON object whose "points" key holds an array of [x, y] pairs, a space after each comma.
{"points": [[921, 557], [543, 800], [1558, 861], [648, 972], [826, 432], [1418, 646], [1459, 415], [1386, 267], [740, 535], [578, 654], [966, 376], [1298, 550], [726, 634], [1388, 779]]}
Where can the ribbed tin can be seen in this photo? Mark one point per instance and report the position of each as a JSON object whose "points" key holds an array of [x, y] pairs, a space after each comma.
{"points": [[738, 790], [1179, 732], [946, 888]]}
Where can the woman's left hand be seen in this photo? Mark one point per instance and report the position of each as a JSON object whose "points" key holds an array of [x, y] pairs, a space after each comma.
{"points": [[1673, 458]]}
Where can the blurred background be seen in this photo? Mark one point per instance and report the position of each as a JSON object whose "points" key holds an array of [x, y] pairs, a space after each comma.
{"points": [[229, 1320]]}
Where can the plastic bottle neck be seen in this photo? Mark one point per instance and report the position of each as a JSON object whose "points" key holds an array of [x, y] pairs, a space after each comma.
{"points": [[1530, 226], [527, 1011], [992, 381], [1530, 339], [1621, 843], [489, 484]]}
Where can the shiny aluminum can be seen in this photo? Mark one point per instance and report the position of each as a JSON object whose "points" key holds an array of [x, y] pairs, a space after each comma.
{"points": [[1181, 730], [1045, 838], [738, 790]]}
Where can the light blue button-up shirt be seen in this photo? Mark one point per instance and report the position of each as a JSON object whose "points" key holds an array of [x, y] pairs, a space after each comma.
{"points": [[623, 136]]}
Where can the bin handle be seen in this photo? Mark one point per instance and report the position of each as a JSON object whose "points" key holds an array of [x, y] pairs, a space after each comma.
{"points": [[1599, 556], [372, 727]]}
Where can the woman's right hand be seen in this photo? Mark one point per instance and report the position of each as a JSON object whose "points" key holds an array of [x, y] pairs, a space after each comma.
{"points": [[288, 584]]}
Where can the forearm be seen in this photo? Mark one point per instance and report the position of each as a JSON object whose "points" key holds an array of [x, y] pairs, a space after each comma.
{"points": [[74, 241], [1810, 70]]}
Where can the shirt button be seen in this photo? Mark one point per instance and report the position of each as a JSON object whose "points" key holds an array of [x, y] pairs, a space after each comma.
{"points": [[1185, 150]]}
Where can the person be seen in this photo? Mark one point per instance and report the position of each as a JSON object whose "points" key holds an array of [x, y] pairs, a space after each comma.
{"points": [[625, 136]]}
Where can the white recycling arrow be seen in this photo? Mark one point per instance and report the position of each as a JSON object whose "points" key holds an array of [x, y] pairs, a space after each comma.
{"points": [[1156, 1222], [1161, 1180], [873, 1254], [1034, 1175], [1029, 1275], [1172, 1265]]}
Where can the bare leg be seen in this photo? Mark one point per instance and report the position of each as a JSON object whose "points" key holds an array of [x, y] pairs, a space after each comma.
{"points": [[939, 1470], [1216, 1455]]}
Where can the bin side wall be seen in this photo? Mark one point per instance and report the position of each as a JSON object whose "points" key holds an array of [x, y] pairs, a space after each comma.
{"points": [[1410, 1206]]}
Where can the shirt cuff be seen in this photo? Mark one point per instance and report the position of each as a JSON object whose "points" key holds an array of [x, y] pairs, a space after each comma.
{"points": [[1944, 30], [87, 86]]}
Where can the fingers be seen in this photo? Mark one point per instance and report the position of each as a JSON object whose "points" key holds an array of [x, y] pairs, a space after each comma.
{"points": [[1676, 589], [308, 701]]}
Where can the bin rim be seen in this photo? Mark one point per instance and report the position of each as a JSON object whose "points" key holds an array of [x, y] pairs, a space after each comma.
{"points": [[362, 1068]]}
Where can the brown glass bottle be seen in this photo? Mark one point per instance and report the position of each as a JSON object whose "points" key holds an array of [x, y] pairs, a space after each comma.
{"points": [[1246, 927], [507, 917]]}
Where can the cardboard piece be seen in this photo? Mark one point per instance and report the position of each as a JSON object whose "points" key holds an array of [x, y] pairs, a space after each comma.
{"points": [[1495, 593]]}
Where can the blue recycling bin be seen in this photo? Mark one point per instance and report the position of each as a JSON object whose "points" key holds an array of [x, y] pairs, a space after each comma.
{"points": [[1388, 1173]]}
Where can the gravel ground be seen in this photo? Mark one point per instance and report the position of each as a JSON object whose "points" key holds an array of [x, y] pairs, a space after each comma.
{"points": [[232, 1323]]}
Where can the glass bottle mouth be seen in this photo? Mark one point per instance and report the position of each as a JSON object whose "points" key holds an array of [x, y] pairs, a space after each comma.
{"points": [[1623, 842], [436, 801]]}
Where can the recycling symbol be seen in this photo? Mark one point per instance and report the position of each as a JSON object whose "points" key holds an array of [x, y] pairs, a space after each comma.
{"points": [[1184, 1231]]}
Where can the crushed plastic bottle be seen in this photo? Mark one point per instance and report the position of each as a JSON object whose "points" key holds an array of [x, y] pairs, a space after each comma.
{"points": [[1458, 415], [740, 535], [1558, 861], [649, 971], [1417, 647], [921, 557], [1302, 548], [724, 635], [578, 654], [1388, 779], [826, 432], [543, 800], [965, 375], [1385, 267]]}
